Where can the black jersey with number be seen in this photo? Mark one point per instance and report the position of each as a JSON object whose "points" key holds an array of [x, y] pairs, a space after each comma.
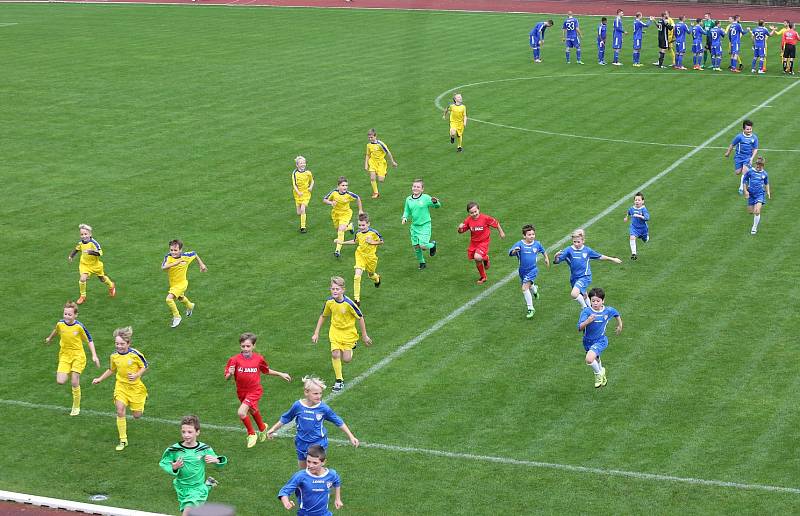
{"points": [[663, 27]]}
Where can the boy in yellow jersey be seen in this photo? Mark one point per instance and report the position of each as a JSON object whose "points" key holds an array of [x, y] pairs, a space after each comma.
{"points": [[302, 184], [71, 357], [458, 120], [375, 161], [343, 334], [90, 263], [176, 263], [367, 239], [341, 213], [671, 37], [129, 390]]}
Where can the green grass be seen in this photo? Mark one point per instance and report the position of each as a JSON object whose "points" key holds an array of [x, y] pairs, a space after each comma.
{"points": [[157, 122]]}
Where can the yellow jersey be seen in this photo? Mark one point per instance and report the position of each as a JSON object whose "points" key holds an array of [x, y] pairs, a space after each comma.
{"points": [[364, 249], [89, 260], [130, 362], [301, 181], [343, 201], [457, 114], [72, 336], [344, 315], [377, 151], [177, 273]]}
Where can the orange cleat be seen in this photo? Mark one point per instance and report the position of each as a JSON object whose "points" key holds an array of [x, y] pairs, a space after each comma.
{"points": [[376, 195], [80, 300], [482, 281]]}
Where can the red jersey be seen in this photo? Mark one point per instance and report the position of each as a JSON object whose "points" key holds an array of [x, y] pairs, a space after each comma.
{"points": [[480, 229], [248, 371], [790, 37]]}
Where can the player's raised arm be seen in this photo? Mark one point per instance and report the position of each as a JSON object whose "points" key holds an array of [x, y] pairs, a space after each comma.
{"points": [[202, 265]]}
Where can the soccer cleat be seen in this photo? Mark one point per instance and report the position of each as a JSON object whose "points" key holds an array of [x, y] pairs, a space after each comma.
{"points": [[681, 68], [176, 321], [753, 70], [601, 63], [433, 249], [537, 60], [378, 283], [482, 280], [736, 70], [617, 64], [251, 440], [633, 257], [530, 313], [605, 379], [741, 191], [579, 62], [80, 300], [75, 411], [212, 482], [637, 65], [657, 64], [303, 230], [452, 140], [113, 290], [336, 254], [338, 385], [753, 231], [262, 435], [376, 195], [121, 446], [190, 310], [762, 71], [598, 380], [422, 265], [535, 289], [460, 149]]}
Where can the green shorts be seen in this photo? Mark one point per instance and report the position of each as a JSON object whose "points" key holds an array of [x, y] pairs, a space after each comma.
{"points": [[421, 235], [192, 496]]}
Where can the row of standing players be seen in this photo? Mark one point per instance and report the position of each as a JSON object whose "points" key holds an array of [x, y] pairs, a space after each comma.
{"points": [[672, 38], [186, 459]]}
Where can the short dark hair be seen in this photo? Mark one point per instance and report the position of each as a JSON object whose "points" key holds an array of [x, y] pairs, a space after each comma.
{"points": [[746, 123], [363, 217], [341, 180], [252, 337], [191, 420], [603, 19], [470, 205], [597, 292], [528, 227], [638, 194], [316, 451], [176, 242]]}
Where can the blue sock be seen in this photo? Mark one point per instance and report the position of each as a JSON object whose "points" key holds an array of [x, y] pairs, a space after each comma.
{"points": [[578, 54], [601, 54], [754, 64], [636, 56], [616, 56], [567, 56], [536, 53], [733, 63]]}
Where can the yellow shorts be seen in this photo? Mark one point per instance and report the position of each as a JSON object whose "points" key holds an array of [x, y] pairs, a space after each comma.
{"points": [[379, 167], [179, 289], [458, 127], [303, 199], [368, 264], [133, 398], [341, 220], [96, 270], [71, 363], [343, 346]]}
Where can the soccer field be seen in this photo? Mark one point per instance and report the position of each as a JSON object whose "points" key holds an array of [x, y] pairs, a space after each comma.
{"points": [[159, 122]]}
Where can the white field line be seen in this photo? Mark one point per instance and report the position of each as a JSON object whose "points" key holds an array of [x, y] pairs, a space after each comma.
{"points": [[85, 508], [462, 456]]}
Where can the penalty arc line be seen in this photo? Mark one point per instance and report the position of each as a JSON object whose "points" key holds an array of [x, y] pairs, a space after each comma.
{"points": [[463, 456]]}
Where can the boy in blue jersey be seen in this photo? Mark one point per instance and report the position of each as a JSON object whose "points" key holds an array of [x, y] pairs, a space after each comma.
{"points": [[592, 323], [616, 42], [638, 29], [572, 37], [681, 30], [526, 250], [578, 256], [639, 216], [312, 487], [601, 41], [756, 185], [537, 38], [697, 44], [716, 35], [735, 32], [746, 144], [760, 35]]}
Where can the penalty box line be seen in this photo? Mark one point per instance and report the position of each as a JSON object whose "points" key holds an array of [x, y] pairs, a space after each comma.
{"points": [[462, 456]]}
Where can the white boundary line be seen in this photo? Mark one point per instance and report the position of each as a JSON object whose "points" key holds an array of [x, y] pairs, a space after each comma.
{"points": [[57, 503], [438, 104], [452, 455]]}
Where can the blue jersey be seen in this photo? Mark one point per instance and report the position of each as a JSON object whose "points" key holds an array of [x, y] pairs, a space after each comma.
{"points": [[716, 34], [571, 25], [578, 260], [601, 32], [596, 330], [745, 146], [313, 492], [537, 34], [309, 421], [756, 181], [760, 35], [735, 32], [527, 254], [681, 30], [697, 35], [638, 28], [618, 28], [638, 225]]}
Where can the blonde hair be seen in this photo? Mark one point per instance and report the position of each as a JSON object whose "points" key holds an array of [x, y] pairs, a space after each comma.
{"points": [[124, 333], [298, 158], [71, 304], [313, 381], [87, 227], [337, 280], [578, 233]]}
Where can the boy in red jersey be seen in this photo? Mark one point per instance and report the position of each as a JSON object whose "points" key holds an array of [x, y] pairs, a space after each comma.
{"points": [[480, 227], [246, 368]]}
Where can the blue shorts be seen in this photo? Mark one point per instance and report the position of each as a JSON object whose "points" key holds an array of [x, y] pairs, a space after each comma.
{"points": [[680, 47], [597, 346], [756, 198], [582, 283], [302, 447], [697, 47], [734, 47], [573, 43], [616, 42], [716, 51], [758, 52], [536, 42], [637, 43], [738, 163], [528, 275], [644, 235]]}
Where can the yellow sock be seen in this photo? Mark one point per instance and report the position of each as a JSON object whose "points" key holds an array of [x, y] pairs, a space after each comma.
{"points": [[302, 220], [357, 288], [337, 368], [122, 428], [340, 236], [460, 140], [374, 184], [108, 282], [185, 301], [173, 308], [76, 397], [672, 54], [82, 287]]}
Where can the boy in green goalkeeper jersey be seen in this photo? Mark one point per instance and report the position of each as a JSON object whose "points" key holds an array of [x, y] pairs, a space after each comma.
{"points": [[417, 210], [186, 461], [708, 23]]}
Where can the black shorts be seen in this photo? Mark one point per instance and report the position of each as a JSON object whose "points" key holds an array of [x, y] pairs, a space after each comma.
{"points": [[789, 51]]}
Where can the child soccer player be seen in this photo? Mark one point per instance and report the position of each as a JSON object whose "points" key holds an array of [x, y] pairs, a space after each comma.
{"points": [[458, 120], [592, 324], [537, 39], [367, 239], [616, 42], [746, 144], [571, 36], [716, 35], [246, 369], [375, 161], [309, 414], [417, 210], [339, 199], [176, 263], [312, 487], [302, 184], [697, 44], [186, 461], [638, 30], [90, 263], [344, 313], [639, 216], [602, 29], [480, 227], [129, 390], [756, 184], [760, 35], [71, 356], [580, 274], [526, 251]]}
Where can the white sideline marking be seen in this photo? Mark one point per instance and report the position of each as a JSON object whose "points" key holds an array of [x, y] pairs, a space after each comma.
{"points": [[8, 24], [453, 455], [438, 104], [89, 508]]}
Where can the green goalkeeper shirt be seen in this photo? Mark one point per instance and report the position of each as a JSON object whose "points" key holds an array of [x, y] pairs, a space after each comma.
{"points": [[193, 472], [417, 209]]}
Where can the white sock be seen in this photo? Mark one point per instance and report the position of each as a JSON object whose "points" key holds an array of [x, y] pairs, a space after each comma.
{"points": [[528, 298], [756, 220], [741, 181], [595, 367], [580, 300], [633, 245], [599, 362]]}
